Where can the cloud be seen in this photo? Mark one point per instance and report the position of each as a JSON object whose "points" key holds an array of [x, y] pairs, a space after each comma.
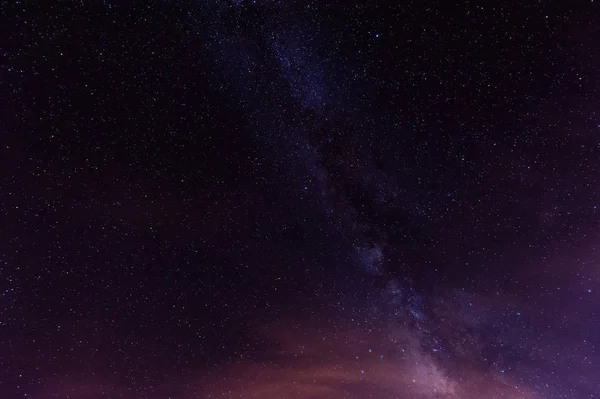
{"points": [[317, 358], [338, 360]]}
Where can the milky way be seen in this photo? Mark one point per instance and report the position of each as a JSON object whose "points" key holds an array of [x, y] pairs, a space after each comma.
{"points": [[288, 199]]}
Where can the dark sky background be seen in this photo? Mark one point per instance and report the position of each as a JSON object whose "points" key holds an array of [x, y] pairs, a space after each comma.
{"points": [[299, 199]]}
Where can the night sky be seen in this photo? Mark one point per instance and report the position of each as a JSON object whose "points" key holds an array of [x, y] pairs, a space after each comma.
{"points": [[299, 199]]}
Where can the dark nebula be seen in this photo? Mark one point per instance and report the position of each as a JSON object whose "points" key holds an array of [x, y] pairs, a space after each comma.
{"points": [[299, 199]]}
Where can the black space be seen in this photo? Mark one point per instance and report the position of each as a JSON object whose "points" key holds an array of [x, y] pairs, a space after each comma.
{"points": [[299, 199]]}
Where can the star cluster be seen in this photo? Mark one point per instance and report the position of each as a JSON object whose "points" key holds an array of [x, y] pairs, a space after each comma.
{"points": [[299, 199]]}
